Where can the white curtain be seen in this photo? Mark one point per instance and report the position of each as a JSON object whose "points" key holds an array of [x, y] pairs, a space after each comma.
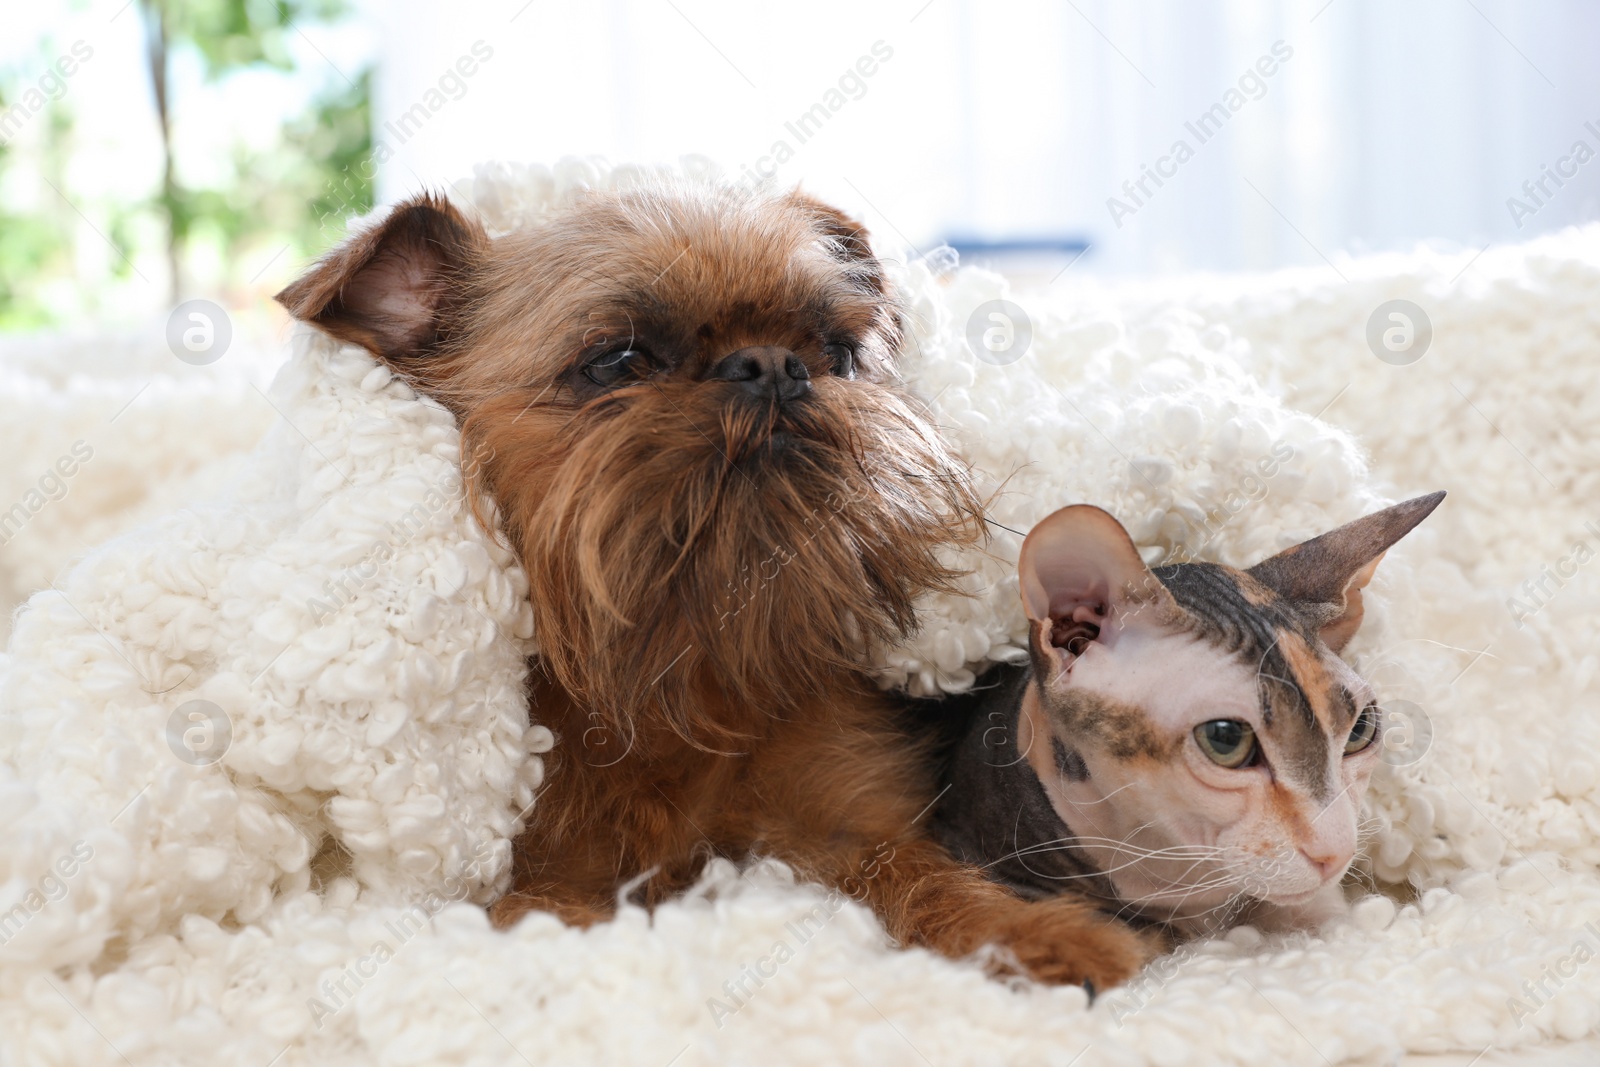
{"points": [[1381, 123]]}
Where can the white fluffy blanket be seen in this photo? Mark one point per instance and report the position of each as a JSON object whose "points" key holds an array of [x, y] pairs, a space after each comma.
{"points": [[263, 757]]}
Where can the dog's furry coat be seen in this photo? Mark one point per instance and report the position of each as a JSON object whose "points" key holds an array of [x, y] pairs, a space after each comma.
{"points": [[199, 934], [683, 401]]}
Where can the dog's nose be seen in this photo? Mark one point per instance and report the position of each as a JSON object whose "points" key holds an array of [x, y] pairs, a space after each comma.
{"points": [[765, 371]]}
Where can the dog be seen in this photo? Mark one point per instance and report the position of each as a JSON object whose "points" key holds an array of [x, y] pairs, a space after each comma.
{"points": [[683, 401]]}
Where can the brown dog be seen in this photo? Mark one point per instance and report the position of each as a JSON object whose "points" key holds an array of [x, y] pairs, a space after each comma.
{"points": [[684, 399]]}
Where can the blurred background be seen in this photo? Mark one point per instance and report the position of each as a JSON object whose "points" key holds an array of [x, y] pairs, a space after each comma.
{"points": [[155, 150]]}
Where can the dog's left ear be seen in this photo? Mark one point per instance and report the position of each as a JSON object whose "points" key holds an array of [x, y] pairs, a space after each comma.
{"points": [[847, 238], [391, 289]]}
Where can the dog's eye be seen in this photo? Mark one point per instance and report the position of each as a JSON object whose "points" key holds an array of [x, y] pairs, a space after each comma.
{"points": [[617, 366], [844, 359]]}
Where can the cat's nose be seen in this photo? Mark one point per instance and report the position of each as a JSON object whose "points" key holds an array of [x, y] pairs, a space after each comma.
{"points": [[1328, 865]]}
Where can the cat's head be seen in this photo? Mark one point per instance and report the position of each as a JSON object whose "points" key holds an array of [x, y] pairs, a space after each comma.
{"points": [[1194, 725]]}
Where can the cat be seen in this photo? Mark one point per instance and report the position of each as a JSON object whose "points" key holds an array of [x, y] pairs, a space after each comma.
{"points": [[1184, 745]]}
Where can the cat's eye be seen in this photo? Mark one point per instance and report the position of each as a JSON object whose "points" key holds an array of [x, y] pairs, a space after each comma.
{"points": [[842, 359], [1364, 732], [619, 365], [1226, 742]]}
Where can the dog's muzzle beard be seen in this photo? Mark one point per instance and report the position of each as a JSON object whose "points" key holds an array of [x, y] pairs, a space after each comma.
{"points": [[689, 550]]}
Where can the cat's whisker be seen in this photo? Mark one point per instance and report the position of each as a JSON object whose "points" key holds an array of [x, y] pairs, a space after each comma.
{"points": [[1431, 641], [1220, 878], [1086, 876], [1252, 680], [1140, 859], [1059, 844], [1203, 887], [1127, 843], [1239, 875], [1068, 845], [1108, 796], [1329, 805], [1364, 878], [1232, 906], [1176, 851], [1090, 803], [1137, 830], [1173, 907], [1187, 871], [1171, 851], [1041, 850], [1116, 844], [1173, 900], [1213, 879], [1198, 854]]}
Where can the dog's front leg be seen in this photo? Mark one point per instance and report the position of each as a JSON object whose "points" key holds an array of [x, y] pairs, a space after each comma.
{"points": [[850, 810]]}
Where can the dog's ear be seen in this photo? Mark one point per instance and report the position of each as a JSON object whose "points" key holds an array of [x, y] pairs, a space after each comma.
{"points": [[847, 239], [391, 289]]}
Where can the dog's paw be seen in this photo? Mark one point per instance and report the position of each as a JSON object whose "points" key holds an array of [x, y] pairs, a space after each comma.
{"points": [[1071, 945], [506, 911]]}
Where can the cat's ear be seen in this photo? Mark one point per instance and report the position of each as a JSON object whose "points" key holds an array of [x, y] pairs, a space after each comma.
{"points": [[389, 288], [1080, 574], [1328, 572]]}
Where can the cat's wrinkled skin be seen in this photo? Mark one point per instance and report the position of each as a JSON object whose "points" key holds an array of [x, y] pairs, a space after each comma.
{"points": [[1109, 766]]}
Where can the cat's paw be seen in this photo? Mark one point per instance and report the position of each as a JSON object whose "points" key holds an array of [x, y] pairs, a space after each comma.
{"points": [[1074, 945]]}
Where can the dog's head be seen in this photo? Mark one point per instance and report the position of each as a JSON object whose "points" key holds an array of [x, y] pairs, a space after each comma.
{"points": [[684, 402]]}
